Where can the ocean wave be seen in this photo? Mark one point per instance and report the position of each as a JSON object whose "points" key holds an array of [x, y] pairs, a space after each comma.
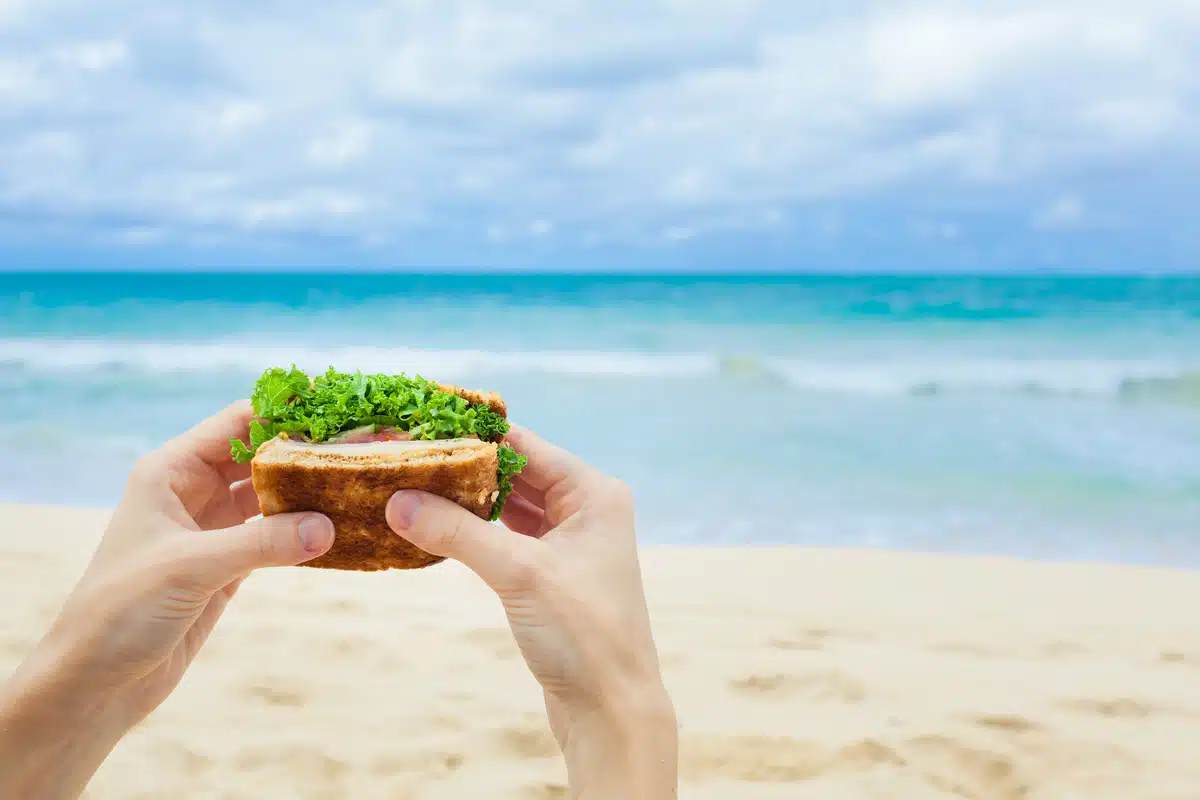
{"points": [[1183, 389], [1124, 379], [1080, 377], [73, 355]]}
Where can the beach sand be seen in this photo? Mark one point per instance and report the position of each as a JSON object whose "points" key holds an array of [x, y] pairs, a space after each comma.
{"points": [[796, 673]]}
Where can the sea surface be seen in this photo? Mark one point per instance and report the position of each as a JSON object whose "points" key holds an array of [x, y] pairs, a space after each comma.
{"points": [[1051, 418]]}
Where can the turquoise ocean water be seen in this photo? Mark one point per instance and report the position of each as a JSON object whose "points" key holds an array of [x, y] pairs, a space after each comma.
{"points": [[1055, 418]]}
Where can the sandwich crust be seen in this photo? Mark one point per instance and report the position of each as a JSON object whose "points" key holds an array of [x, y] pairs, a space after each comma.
{"points": [[351, 484], [490, 399]]}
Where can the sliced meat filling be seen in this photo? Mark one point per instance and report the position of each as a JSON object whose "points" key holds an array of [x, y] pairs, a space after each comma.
{"points": [[369, 433]]}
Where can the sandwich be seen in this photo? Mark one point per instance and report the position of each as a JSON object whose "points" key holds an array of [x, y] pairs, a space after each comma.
{"points": [[342, 444]]}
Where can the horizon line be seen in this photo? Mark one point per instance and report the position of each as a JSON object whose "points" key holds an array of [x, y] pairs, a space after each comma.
{"points": [[484, 272]]}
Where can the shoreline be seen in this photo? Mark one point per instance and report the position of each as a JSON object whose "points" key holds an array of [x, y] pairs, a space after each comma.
{"points": [[98, 515], [796, 672]]}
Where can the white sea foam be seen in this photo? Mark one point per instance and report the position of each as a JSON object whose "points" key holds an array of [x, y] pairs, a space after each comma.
{"points": [[69, 355], [1074, 377], [858, 377]]}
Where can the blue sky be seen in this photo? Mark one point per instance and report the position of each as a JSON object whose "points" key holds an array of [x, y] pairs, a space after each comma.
{"points": [[755, 134]]}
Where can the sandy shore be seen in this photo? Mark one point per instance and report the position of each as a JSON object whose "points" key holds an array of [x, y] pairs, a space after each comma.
{"points": [[797, 674]]}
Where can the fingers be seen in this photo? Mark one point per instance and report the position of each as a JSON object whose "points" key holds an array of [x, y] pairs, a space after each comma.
{"points": [[215, 559], [438, 526], [230, 590], [524, 517], [245, 499], [525, 489], [231, 471], [549, 466], [203, 627], [209, 440]]}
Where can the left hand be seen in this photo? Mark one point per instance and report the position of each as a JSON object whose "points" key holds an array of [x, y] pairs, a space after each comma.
{"points": [[173, 555]]}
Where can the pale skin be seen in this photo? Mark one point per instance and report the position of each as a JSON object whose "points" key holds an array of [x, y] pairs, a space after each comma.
{"points": [[187, 533]]}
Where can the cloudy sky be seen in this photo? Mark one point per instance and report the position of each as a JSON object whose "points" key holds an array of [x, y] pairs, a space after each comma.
{"points": [[749, 134]]}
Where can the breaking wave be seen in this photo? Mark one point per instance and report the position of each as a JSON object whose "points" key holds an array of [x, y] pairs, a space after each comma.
{"points": [[1124, 379]]}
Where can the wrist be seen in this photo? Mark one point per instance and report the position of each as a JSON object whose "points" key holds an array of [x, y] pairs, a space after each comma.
{"points": [[53, 737], [626, 748]]}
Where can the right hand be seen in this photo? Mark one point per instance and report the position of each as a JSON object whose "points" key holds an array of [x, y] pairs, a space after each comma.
{"points": [[568, 576]]}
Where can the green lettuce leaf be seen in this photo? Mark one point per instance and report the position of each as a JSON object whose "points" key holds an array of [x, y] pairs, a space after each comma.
{"points": [[511, 463], [488, 425], [240, 452], [276, 388], [260, 433]]}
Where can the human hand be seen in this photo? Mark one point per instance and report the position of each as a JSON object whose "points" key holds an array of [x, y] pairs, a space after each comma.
{"points": [[568, 576], [172, 557]]}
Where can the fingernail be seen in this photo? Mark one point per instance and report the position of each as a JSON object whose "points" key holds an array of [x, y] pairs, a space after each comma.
{"points": [[316, 533], [402, 510]]}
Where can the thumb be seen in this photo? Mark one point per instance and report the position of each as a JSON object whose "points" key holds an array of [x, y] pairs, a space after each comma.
{"points": [[436, 525], [217, 558]]}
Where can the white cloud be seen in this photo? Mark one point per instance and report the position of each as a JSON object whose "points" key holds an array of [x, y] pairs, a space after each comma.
{"points": [[1071, 212], [392, 119], [943, 231], [1135, 119], [11, 10], [93, 56], [309, 208], [240, 114], [347, 142], [1065, 212], [923, 57], [139, 236], [690, 186], [498, 233], [16, 79]]}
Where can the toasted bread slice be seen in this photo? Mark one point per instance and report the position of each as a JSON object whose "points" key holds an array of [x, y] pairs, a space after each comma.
{"points": [[352, 483]]}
